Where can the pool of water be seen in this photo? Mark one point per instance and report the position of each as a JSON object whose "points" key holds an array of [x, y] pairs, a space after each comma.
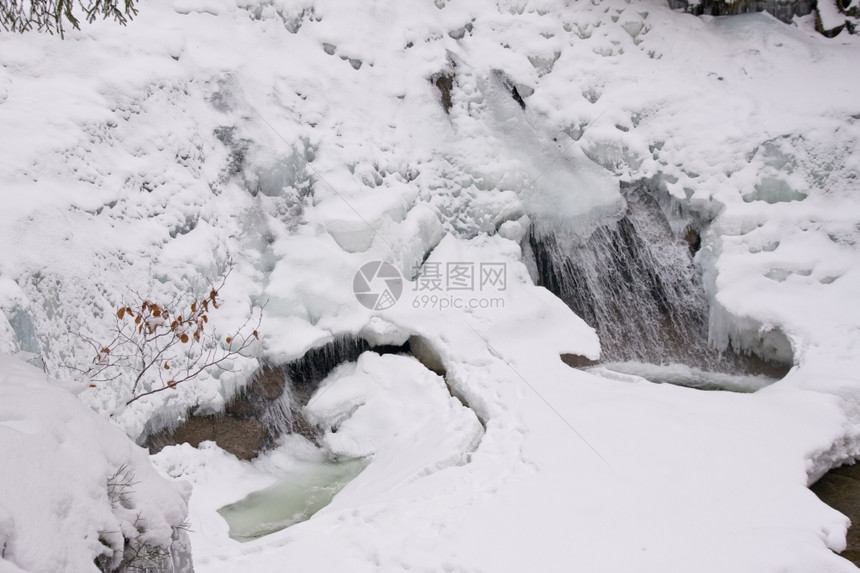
{"points": [[295, 498]]}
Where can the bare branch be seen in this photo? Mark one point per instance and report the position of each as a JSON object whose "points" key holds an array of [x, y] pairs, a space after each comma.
{"points": [[161, 346]]}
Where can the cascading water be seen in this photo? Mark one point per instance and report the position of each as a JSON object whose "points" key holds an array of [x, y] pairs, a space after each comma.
{"points": [[634, 280], [269, 406]]}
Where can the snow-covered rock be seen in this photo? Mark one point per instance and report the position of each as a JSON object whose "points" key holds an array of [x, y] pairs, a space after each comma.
{"points": [[75, 493]]}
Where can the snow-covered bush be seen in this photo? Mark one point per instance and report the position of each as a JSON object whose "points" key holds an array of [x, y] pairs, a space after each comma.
{"points": [[75, 493]]}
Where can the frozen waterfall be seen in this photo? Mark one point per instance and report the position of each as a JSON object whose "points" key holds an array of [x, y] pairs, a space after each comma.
{"points": [[633, 279]]}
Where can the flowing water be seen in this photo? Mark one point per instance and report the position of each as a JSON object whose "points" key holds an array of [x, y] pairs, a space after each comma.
{"points": [[634, 280], [681, 375], [295, 498]]}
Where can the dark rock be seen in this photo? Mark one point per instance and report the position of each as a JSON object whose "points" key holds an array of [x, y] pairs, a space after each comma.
{"points": [[693, 239], [827, 32], [840, 489], [515, 93], [445, 84], [578, 361], [268, 383], [243, 405], [781, 9], [241, 437], [509, 85]]}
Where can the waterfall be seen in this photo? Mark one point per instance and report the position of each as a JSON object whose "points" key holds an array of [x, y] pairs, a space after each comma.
{"points": [[277, 393], [269, 406], [633, 279], [305, 373]]}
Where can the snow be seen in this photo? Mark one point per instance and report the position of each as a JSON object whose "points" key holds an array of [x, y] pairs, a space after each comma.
{"points": [[73, 487], [830, 15], [394, 409], [300, 139]]}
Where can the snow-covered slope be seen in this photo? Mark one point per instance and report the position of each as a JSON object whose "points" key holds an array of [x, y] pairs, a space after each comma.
{"points": [[74, 491], [302, 139]]}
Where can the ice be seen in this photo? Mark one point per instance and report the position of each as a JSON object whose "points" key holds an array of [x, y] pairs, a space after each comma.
{"points": [[681, 375]]}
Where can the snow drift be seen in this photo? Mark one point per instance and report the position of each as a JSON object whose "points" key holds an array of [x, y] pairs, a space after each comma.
{"points": [[75, 493]]}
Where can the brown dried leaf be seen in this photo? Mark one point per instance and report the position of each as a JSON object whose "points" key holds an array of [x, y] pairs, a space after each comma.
{"points": [[229, 340], [120, 314], [166, 366], [183, 337]]}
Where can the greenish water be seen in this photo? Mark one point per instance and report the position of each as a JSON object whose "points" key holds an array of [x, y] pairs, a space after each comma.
{"points": [[295, 498]]}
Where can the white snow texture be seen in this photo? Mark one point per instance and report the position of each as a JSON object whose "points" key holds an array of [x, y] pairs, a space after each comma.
{"points": [[297, 140]]}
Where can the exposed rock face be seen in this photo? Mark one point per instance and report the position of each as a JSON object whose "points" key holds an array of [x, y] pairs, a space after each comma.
{"points": [[785, 10], [241, 437]]}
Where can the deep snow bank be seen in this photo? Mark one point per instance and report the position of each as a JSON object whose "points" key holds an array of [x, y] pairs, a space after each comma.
{"points": [[74, 491]]}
